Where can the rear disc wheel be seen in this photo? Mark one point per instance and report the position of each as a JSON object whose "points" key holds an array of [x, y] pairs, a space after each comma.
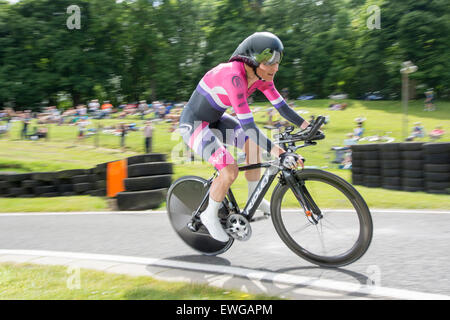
{"points": [[183, 198]]}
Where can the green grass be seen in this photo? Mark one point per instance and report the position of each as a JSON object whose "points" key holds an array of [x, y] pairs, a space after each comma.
{"points": [[56, 204], [35, 282], [64, 152]]}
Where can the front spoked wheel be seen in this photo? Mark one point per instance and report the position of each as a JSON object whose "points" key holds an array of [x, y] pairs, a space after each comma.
{"points": [[343, 230]]}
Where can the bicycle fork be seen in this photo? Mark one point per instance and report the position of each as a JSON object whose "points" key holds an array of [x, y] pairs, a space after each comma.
{"points": [[312, 211]]}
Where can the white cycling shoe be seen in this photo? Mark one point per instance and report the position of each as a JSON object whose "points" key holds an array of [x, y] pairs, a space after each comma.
{"points": [[211, 221]]}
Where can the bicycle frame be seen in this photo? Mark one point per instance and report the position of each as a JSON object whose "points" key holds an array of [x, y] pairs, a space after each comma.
{"points": [[286, 177], [272, 169]]}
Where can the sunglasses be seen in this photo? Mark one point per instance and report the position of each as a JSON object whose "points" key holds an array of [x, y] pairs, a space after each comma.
{"points": [[269, 57]]}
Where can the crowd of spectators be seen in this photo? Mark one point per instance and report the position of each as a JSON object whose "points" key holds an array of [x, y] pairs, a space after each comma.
{"points": [[34, 124]]}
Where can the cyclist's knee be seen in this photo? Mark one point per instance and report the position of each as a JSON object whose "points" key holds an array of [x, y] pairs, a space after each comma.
{"points": [[230, 173]]}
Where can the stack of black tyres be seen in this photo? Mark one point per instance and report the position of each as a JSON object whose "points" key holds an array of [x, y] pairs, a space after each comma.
{"points": [[371, 165], [53, 184], [412, 166], [357, 165], [437, 167], [390, 162], [149, 177], [11, 185], [79, 182]]}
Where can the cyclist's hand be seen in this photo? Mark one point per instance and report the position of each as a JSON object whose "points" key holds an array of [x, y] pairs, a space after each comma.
{"points": [[291, 160]]}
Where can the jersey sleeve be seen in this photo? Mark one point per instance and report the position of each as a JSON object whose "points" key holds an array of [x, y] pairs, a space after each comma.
{"points": [[275, 98], [236, 87]]}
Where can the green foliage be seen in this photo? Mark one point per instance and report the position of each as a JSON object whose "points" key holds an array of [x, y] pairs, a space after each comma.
{"points": [[150, 50]]}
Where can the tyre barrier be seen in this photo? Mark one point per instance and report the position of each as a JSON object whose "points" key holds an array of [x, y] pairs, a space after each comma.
{"points": [[148, 178], [408, 166]]}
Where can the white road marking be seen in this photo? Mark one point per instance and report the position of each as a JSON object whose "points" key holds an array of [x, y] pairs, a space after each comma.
{"points": [[257, 275], [145, 213]]}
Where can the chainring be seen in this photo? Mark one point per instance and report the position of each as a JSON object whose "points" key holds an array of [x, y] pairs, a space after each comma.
{"points": [[238, 227]]}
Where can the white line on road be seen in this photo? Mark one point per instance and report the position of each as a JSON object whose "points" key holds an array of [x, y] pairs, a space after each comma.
{"points": [[276, 278]]}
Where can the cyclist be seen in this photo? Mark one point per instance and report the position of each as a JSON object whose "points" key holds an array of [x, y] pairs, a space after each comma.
{"points": [[205, 127]]}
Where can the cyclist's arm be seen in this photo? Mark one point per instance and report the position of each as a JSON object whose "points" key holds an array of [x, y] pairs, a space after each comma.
{"points": [[235, 86], [272, 94]]}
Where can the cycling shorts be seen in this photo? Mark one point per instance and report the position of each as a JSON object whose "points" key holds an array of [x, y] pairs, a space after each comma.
{"points": [[208, 140]]}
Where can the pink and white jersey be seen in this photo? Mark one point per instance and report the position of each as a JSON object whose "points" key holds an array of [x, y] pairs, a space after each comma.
{"points": [[226, 85]]}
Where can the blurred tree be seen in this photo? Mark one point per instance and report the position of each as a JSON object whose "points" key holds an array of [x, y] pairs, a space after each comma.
{"points": [[148, 49]]}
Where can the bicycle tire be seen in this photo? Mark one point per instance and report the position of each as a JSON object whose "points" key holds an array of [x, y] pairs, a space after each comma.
{"points": [[183, 198], [364, 238]]}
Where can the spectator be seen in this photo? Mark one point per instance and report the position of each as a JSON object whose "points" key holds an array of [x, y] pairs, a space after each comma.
{"points": [[148, 134], [429, 99], [82, 110], [123, 132], [8, 118], [417, 132], [42, 132], [129, 109], [39, 133], [158, 109], [2, 129], [347, 162], [82, 124], [122, 106], [337, 106], [93, 106], [168, 108], [350, 140], [142, 108], [106, 108], [437, 133], [24, 132], [358, 131]]}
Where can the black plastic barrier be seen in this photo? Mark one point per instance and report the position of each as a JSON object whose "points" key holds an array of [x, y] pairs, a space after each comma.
{"points": [[149, 177], [409, 166]]}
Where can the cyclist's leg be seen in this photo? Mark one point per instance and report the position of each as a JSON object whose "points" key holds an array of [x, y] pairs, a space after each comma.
{"points": [[206, 140], [231, 133], [199, 137]]}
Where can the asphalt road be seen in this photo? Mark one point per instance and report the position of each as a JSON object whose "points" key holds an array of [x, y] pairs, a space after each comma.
{"points": [[409, 251]]}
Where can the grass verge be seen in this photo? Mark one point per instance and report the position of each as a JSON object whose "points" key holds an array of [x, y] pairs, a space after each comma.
{"points": [[36, 282]]}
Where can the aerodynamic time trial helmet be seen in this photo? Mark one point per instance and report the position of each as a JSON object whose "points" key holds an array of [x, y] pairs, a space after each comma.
{"points": [[260, 47]]}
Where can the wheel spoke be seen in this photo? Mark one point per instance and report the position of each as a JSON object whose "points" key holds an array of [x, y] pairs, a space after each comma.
{"points": [[332, 226], [303, 227], [322, 241]]}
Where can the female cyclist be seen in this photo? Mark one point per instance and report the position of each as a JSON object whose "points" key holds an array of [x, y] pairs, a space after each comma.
{"points": [[205, 126]]}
